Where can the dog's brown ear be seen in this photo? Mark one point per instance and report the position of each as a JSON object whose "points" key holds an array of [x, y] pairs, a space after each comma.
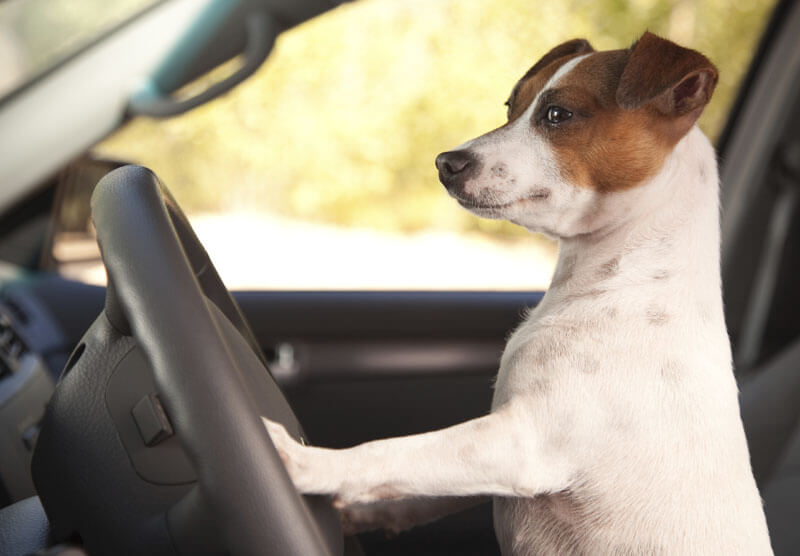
{"points": [[677, 81], [575, 46]]}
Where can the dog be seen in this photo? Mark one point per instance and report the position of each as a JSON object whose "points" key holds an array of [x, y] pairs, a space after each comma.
{"points": [[615, 424]]}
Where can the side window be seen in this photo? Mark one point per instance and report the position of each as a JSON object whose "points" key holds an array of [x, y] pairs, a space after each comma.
{"points": [[318, 172]]}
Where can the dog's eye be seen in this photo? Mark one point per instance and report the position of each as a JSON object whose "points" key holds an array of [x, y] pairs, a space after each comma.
{"points": [[556, 114]]}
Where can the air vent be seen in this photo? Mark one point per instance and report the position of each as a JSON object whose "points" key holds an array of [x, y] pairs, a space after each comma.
{"points": [[14, 308], [11, 346]]}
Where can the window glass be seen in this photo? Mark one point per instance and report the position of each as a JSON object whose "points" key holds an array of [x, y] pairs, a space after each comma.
{"points": [[36, 35], [317, 173]]}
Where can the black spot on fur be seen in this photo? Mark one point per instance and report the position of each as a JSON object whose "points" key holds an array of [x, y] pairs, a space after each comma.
{"points": [[499, 170], [540, 194]]}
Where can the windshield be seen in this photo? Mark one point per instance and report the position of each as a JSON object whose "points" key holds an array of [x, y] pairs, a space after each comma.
{"points": [[318, 171], [38, 35]]}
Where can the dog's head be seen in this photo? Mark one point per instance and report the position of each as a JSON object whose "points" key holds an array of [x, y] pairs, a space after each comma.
{"points": [[581, 125]]}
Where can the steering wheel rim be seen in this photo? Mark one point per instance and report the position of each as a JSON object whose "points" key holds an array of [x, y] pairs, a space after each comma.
{"points": [[164, 290]]}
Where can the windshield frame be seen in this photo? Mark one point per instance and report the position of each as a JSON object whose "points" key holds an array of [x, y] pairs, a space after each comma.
{"points": [[74, 52]]}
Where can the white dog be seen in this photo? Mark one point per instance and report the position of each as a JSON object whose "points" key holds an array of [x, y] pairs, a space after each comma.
{"points": [[615, 424]]}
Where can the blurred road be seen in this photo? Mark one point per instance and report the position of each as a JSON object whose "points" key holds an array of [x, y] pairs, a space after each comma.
{"points": [[254, 251]]}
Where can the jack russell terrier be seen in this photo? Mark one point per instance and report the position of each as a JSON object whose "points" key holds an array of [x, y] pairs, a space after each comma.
{"points": [[615, 424]]}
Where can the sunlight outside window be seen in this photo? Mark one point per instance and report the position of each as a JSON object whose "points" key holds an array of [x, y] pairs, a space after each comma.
{"points": [[318, 172]]}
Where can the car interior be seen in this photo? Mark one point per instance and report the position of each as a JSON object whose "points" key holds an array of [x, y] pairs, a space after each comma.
{"points": [[90, 460]]}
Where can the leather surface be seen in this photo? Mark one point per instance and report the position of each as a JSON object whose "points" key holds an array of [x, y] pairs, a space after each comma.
{"points": [[771, 417], [770, 411], [782, 504], [23, 528], [81, 470]]}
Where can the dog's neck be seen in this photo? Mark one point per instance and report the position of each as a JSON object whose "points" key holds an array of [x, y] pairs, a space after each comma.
{"points": [[661, 237]]}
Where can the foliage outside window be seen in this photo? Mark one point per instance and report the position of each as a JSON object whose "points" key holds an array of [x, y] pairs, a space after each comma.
{"points": [[342, 124]]}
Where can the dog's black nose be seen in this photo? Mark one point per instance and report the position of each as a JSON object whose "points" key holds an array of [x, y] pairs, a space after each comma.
{"points": [[455, 167], [452, 163]]}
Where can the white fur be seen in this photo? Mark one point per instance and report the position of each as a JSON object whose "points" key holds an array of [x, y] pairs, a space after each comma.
{"points": [[615, 424]]}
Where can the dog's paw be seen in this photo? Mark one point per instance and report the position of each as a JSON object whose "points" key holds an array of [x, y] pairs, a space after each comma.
{"points": [[284, 443], [299, 460], [324, 471]]}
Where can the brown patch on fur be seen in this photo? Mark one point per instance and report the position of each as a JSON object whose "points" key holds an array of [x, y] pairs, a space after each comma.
{"points": [[586, 294], [609, 268], [658, 66], [611, 312], [537, 359], [602, 146], [568, 48], [656, 316], [622, 130], [527, 89], [535, 78]]}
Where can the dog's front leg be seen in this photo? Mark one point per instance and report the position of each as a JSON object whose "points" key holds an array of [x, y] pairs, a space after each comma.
{"points": [[501, 454], [396, 516]]}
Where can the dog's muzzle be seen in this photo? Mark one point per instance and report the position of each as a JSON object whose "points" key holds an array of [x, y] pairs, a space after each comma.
{"points": [[455, 168]]}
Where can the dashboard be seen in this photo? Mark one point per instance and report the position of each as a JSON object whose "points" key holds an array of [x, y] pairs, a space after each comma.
{"points": [[34, 347]]}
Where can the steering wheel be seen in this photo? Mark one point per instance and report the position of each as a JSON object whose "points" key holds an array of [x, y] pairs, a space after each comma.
{"points": [[209, 376]]}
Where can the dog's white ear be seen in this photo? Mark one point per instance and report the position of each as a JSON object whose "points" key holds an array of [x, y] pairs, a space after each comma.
{"points": [[569, 48], [676, 81]]}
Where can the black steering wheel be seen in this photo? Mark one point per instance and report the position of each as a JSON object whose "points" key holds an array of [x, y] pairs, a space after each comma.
{"points": [[210, 378]]}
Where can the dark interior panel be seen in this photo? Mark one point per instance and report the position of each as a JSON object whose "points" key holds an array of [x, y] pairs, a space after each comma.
{"points": [[341, 414]]}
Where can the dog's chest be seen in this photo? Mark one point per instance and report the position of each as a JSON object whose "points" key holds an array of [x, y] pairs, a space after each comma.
{"points": [[540, 350], [557, 523]]}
